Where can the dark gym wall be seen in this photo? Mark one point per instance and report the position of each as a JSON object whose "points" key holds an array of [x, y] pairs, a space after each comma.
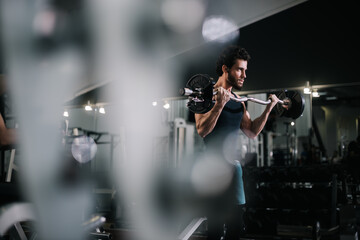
{"points": [[315, 41]]}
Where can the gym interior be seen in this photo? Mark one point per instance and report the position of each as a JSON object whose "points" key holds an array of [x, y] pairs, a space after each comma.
{"points": [[98, 142]]}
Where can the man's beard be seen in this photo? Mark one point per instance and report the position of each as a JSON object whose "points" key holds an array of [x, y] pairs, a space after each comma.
{"points": [[233, 83]]}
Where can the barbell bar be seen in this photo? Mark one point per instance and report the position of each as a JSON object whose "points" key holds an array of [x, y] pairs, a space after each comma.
{"points": [[189, 92], [200, 92]]}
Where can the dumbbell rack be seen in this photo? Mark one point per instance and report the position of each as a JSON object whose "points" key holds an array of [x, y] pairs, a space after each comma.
{"points": [[291, 202]]}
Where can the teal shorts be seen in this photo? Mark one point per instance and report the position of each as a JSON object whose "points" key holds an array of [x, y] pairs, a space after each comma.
{"points": [[239, 183]]}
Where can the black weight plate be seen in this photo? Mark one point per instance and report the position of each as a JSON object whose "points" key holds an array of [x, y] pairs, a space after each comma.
{"points": [[199, 81], [205, 84], [297, 105]]}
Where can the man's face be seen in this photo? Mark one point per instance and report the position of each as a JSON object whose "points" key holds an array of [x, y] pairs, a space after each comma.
{"points": [[237, 75]]}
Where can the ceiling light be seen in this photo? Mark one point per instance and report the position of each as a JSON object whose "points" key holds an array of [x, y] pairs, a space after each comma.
{"points": [[88, 107], [66, 114], [315, 93], [166, 106], [307, 89], [102, 110]]}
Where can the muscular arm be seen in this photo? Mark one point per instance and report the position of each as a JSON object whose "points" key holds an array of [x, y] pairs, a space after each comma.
{"points": [[206, 122], [252, 128]]}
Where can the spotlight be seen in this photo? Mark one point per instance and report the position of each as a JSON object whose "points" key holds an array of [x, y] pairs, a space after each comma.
{"points": [[292, 123], [307, 89], [88, 107], [166, 106], [154, 104], [315, 93], [102, 110]]}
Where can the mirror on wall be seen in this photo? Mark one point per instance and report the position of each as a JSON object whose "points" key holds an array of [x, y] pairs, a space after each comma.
{"points": [[329, 122], [336, 112]]}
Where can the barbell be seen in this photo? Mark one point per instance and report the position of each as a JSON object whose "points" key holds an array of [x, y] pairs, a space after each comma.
{"points": [[200, 92]]}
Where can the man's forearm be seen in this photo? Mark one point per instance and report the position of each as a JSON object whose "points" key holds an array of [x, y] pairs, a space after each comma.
{"points": [[206, 122], [259, 123]]}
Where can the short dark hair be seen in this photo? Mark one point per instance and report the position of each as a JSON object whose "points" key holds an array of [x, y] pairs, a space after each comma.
{"points": [[228, 57]]}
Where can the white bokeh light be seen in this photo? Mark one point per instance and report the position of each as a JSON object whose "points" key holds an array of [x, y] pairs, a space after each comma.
{"points": [[183, 15], [219, 28], [210, 176], [83, 149]]}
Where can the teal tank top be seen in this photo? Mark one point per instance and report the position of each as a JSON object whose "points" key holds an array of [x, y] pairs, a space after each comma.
{"points": [[228, 123]]}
